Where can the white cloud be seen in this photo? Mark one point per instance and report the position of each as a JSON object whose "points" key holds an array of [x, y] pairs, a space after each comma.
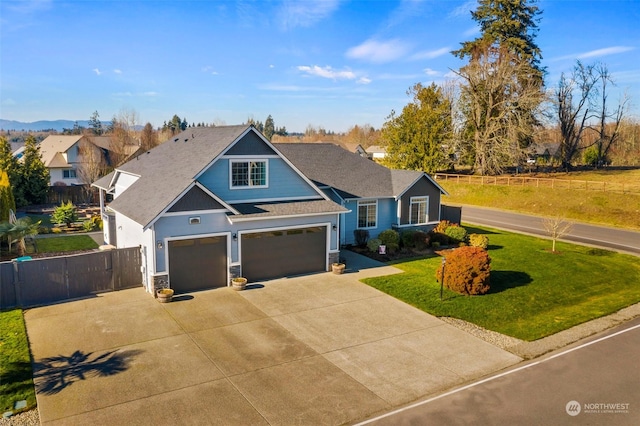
{"points": [[431, 54], [364, 80], [327, 72], [29, 6], [379, 51], [596, 53], [430, 72], [604, 52], [209, 69], [464, 10], [471, 31], [294, 14], [150, 94], [117, 71], [97, 71], [9, 102]]}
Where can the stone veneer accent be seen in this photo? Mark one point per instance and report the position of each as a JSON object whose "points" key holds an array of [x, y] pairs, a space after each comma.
{"points": [[160, 281], [234, 272], [333, 258]]}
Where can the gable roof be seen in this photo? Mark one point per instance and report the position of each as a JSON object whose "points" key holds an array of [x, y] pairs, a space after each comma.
{"points": [[348, 173], [53, 146], [168, 171]]}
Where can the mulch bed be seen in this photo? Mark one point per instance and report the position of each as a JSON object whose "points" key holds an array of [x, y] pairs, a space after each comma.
{"points": [[389, 257]]}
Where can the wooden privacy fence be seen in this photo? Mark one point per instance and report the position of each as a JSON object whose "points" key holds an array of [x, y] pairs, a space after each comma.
{"points": [[49, 280], [588, 185]]}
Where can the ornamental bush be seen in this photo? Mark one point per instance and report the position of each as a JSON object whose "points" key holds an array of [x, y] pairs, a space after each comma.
{"points": [[65, 213], [457, 234], [373, 244], [391, 239], [361, 236], [466, 271], [479, 240], [408, 239]]}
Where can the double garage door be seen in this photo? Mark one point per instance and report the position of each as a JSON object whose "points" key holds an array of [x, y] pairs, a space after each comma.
{"points": [[201, 263], [282, 253]]}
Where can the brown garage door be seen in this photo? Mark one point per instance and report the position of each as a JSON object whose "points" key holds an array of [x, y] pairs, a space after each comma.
{"points": [[281, 253], [197, 264]]}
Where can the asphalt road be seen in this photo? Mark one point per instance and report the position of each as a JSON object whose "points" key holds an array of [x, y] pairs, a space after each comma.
{"points": [[595, 381], [601, 236]]}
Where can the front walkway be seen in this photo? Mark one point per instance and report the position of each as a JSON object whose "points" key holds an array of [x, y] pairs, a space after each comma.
{"points": [[316, 349]]}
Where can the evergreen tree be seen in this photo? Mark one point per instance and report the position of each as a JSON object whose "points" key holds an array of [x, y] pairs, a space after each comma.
{"points": [[35, 174], [508, 30], [269, 127], [6, 197], [95, 124], [414, 138], [11, 166]]}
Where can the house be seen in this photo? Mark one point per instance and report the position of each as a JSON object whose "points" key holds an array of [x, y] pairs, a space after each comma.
{"points": [[543, 153], [374, 152], [214, 203], [62, 155], [377, 198]]}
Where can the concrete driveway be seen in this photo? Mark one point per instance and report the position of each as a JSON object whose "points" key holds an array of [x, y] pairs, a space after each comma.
{"points": [[318, 349]]}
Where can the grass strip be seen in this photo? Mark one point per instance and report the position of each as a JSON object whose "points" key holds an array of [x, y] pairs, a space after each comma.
{"points": [[16, 383]]}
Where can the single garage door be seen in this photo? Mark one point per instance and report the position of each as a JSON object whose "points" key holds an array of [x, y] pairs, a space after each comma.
{"points": [[197, 264], [286, 252]]}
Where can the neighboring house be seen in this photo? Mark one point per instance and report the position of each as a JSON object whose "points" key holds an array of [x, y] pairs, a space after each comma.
{"points": [[374, 152], [543, 153], [214, 203], [61, 154], [377, 198]]}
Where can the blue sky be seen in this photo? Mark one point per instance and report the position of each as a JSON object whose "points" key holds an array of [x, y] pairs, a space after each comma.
{"points": [[327, 63]]}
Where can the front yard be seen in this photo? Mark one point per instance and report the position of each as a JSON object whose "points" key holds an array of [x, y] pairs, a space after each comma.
{"points": [[534, 292]]}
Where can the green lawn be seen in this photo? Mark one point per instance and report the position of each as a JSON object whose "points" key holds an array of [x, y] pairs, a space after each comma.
{"points": [[65, 243], [16, 383], [534, 293]]}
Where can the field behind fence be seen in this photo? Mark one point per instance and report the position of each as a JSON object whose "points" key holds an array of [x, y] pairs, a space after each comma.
{"points": [[570, 184]]}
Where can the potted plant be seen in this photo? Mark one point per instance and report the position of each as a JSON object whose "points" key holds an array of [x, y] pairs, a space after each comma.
{"points": [[165, 295], [338, 267], [238, 283]]}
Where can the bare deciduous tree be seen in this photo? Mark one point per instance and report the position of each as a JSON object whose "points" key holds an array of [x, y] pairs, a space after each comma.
{"points": [[608, 126], [498, 97], [556, 227], [573, 101], [93, 165]]}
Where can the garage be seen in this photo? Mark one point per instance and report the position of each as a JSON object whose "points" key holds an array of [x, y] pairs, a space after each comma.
{"points": [[285, 252], [197, 264]]}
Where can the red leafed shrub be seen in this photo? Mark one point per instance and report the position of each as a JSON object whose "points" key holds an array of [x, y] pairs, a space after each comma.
{"points": [[466, 270]]}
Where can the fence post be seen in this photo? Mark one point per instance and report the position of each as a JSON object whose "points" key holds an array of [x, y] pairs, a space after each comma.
{"points": [[17, 288]]}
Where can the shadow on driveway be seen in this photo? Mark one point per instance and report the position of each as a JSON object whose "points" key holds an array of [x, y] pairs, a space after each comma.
{"points": [[52, 375]]}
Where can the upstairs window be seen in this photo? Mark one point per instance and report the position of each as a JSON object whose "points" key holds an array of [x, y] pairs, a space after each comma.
{"points": [[418, 211], [367, 214], [249, 174], [69, 174]]}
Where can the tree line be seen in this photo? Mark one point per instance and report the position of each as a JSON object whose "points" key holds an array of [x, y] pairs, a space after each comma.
{"points": [[490, 114]]}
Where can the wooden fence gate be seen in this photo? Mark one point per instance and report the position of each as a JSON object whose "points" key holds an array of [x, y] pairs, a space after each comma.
{"points": [[49, 280]]}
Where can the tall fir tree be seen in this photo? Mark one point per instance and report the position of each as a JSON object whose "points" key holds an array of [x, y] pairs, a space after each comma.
{"points": [[7, 202], [35, 174]]}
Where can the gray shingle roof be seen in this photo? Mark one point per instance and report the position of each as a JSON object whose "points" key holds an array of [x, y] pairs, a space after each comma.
{"points": [[350, 174], [290, 208], [167, 170]]}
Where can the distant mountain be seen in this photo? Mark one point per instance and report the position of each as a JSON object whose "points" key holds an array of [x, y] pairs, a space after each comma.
{"points": [[37, 126]]}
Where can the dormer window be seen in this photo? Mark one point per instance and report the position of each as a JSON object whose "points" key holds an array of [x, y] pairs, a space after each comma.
{"points": [[249, 174]]}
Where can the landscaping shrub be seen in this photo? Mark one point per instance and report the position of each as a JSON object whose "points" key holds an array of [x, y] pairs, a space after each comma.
{"points": [[408, 239], [391, 239], [422, 240], [479, 240], [65, 213], [93, 224], [373, 244], [442, 226], [457, 234], [361, 236], [466, 271]]}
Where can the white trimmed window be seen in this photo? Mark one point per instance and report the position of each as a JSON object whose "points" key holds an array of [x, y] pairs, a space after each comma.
{"points": [[69, 174], [418, 210], [249, 174], [367, 214]]}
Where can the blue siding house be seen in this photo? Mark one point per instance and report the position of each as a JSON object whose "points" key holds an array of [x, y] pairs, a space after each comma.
{"points": [[215, 203]]}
